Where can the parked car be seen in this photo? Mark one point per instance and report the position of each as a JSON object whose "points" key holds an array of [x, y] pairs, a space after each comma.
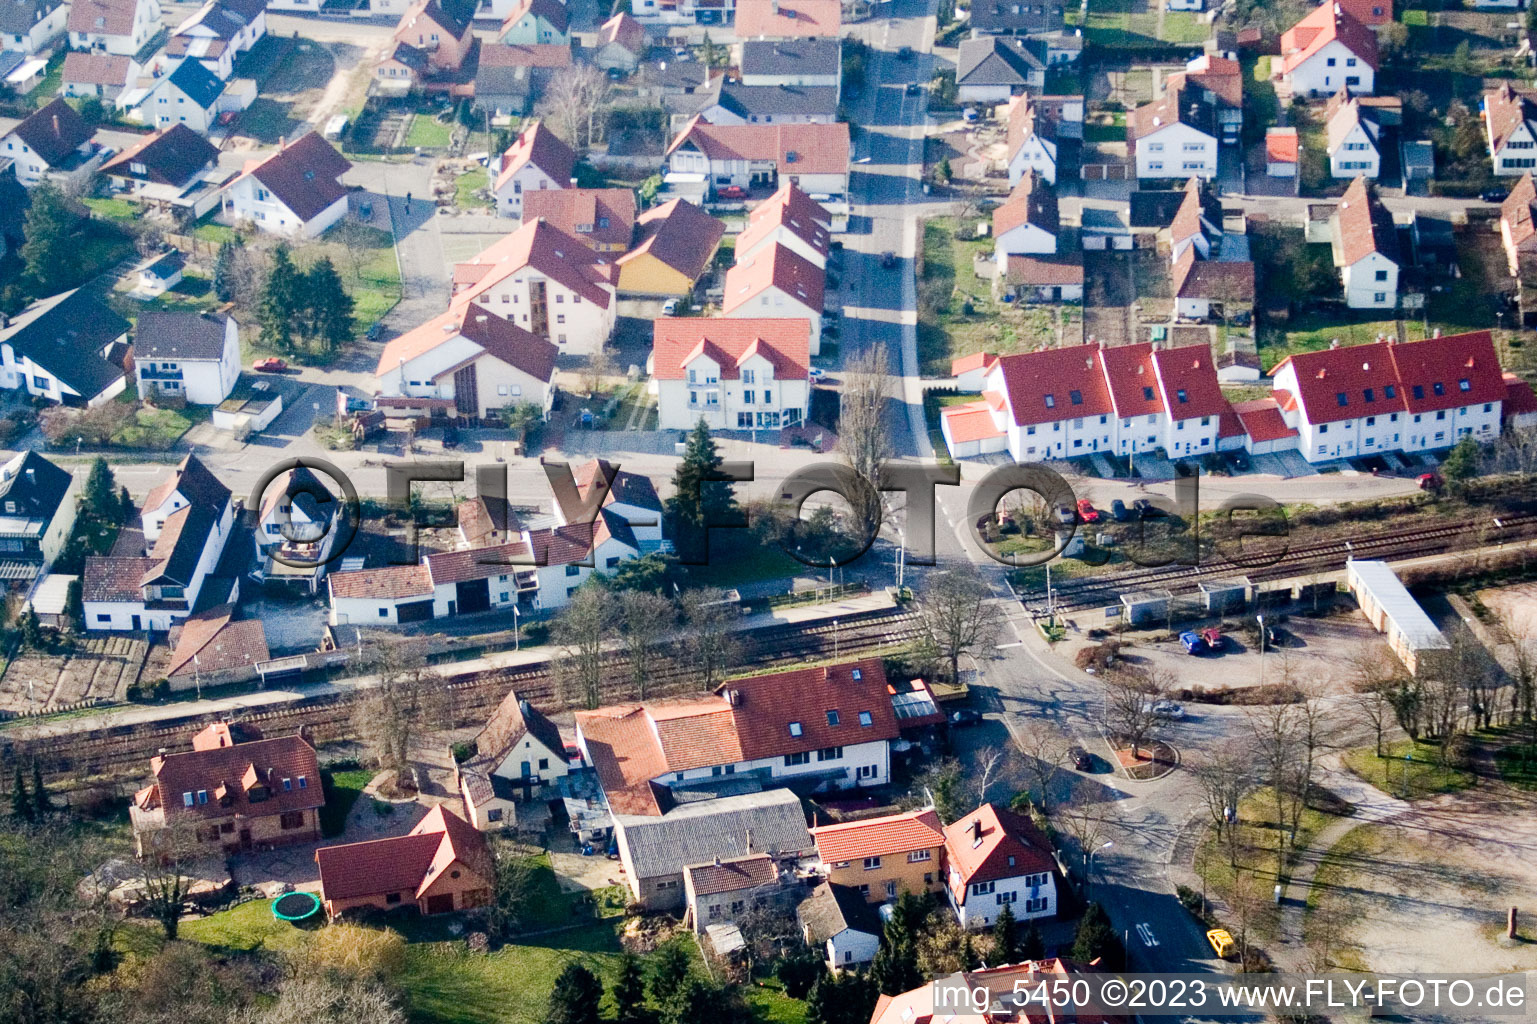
{"points": [[1192, 642], [1214, 638], [1494, 195], [913, 88], [669, 307], [1066, 515], [969, 115], [1222, 942], [905, 53], [1087, 512], [271, 364], [965, 716], [1118, 511], [1429, 481], [816, 373], [1147, 510], [1081, 759], [1168, 709], [888, 260], [731, 192]]}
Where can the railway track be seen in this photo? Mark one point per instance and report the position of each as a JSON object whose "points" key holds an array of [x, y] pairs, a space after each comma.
{"points": [[117, 754], [1092, 591]]}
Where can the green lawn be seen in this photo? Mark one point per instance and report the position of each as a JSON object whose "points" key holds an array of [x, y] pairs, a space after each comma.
{"points": [[342, 790], [266, 120], [1184, 27], [157, 428], [428, 132], [53, 81], [1121, 28], [732, 564], [194, 293], [112, 209], [1424, 777], [1310, 333], [1416, 18], [1518, 765], [374, 283], [466, 187], [209, 231]]}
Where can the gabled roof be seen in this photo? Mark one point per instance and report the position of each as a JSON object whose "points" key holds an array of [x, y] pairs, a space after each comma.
{"points": [[1044, 271], [54, 132], [496, 337], [389, 583], [997, 60], [680, 235], [766, 102], [970, 421], [222, 18], [991, 844], [1189, 379], [1505, 110], [755, 871], [776, 266], [1033, 202], [229, 772], [1320, 27], [605, 215], [553, 12], [1262, 420], [101, 17], [66, 335], [1519, 398], [1198, 212], [695, 831], [630, 488], [1346, 117], [1055, 384], [180, 545], [788, 19], [18, 17], [106, 69], [832, 909], [34, 485], [819, 56], [793, 210], [1345, 383], [1448, 372], [1026, 121], [452, 16], [303, 175], [730, 341], [879, 837], [1363, 226], [180, 335], [410, 863], [542, 148], [415, 58], [513, 719], [626, 32], [1281, 145], [1220, 76], [193, 480], [211, 641], [576, 542], [1134, 387], [1218, 280], [478, 563], [1519, 213], [505, 70], [1181, 105], [1369, 12], [1008, 16], [200, 85], [794, 148], [561, 257], [172, 157]]}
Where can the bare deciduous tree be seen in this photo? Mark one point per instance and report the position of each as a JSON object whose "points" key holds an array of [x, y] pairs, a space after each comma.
{"points": [[169, 852], [710, 642], [408, 695], [581, 629], [1045, 752], [1373, 673], [1276, 730], [320, 998], [647, 618], [1130, 694], [1225, 775], [516, 887], [1084, 825], [958, 615], [999, 766], [572, 102], [864, 435]]}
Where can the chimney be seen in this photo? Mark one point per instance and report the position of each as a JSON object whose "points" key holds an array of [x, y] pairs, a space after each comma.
{"points": [[717, 860], [1436, 333], [976, 830], [1334, 343], [56, 131]]}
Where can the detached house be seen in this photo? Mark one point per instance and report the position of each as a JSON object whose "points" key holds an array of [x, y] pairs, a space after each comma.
{"points": [[604, 218], [37, 512], [1354, 136], [67, 348], [790, 218], [813, 157], [1032, 141], [54, 142], [29, 26], [1209, 265], [784, 19], [842, 924], [510, 78], [1219, 82], [295, 529], [879, 858], [545, 281], [1326, 50], [234, 790], [738, 104], [175, 170], [673, 249], [219, 33], [537, 160], [1027, 223], [440, 29], [1371, 13], [519, 756], [774, 282], [804, 63], [295, 191], [213, 647], [735, 374], [191, 484], [118, 27], [1518, 223], [622, 44], [1510, 123], [1365, 249], [990, 69], [1016, 17], [102, 75], [440, 866], [720, 892], [474, 359], [536, 22], [1176, 136], [189, 95], [192, 356], [995, 858]]}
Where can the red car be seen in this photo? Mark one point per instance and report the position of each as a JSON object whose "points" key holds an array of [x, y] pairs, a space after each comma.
{"points": [[1213, 638], [732, 192], [1087, 512], [271, 364], [1429, 481]]}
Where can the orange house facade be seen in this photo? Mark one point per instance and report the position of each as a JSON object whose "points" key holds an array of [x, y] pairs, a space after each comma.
{"points": [[883, 857], [440, 866]]}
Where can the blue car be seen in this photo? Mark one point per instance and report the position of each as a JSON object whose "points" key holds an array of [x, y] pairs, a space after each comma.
{"points": [[1193, 642]]}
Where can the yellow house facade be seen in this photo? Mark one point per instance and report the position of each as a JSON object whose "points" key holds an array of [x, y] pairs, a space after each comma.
{"points": [[883, 857]]}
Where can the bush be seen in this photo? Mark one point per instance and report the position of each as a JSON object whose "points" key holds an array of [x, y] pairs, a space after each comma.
{"points": [[356, 951], [1191, 901], [1099, 657], [463, 751]]}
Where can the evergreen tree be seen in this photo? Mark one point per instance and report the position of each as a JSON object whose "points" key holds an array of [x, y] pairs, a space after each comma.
{"points": [[1462, 461], [629, 992], [669, 970], [280, 302], [1032, 946], [49, 253], [40, 792], [695, 1001], [327, 307], [127, 511], [1097, 940], [74, 606], [22, 808], [895, 967], [98, 500], [696, 502], [1006, 936], [799, 970], [841, 999], [576, 997], [224, 272], [31, 630], [968, 956]]}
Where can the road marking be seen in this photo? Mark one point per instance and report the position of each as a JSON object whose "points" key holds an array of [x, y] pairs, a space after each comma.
{"points": [[1004, 647], [1148, 938]]}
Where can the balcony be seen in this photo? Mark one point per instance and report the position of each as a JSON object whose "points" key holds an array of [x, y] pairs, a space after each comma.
{"points": [[152, 372]]}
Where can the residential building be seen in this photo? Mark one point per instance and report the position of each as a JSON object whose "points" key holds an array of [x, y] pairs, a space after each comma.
{"points": [[189, 95], [53, 142], [176, 169], [841, 924], [1365, 249], [622, 44], [1510, 124], [1211, 267], [296, 528], [218, 33], [154, 591], [536, 160], [1518, 223], [1326, 50], [738, 104], [880, 858], [192, 356], [235, 792], [604, 218], [1032, 141], [774, 282], [295, 191], [1041, 278], [101, 75], [725, 890], [995, 858], [440, 866], [519, 758], [813, 157], [1353, 138], [788, 19], [403, 69], [1175, 136], [674, 247], [473, 358], [536, 22], [1217, 81], [1027, 223], [802, 63], [1036, 977], [1518, 411], [1007, 17], [191, 484], [990, 69], [439, 28], [29, 26], [37, 513], [213, 648], [545, 281], [117, 27], [1386, 396], [509, 79], [159, 274], [735, 374], [1371, 13], [67, 349], [789, 218]]}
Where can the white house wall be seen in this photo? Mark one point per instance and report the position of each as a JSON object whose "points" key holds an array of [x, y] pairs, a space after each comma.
{"points": [[1330, 68], [1177, 151]]}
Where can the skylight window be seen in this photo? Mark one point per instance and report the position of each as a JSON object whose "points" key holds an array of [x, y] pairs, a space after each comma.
{"points": [[1182, 396], [1464, 385], [1076, 397], [1438, 388], [1051, 401], [1419, 391], [1369, 395], [858, 675], [1342, 398], [795, 728], [865, 720], [832, 717], [1390, 391], [1147, 394]]}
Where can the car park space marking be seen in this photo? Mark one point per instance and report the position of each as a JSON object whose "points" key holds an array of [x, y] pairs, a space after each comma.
{"points": [[1148, 938]]}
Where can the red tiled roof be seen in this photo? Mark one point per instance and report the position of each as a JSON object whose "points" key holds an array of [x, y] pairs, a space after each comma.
{"points": [[1033, 201], [562, 257], [101, 17], [478, 563], [794, 19], [1041, 385], [1352, 371], [975, 361], [1364, 224], [1223, 281], [1505, 110], [408, 863], [624, 30], [1433, 372], [1189, 370], [679, 234], [1262, 420], [217, 643], [96, 68], [541, 147], [1322, 26], [1134, 388], [303, 175], [1219, 75], [731, 875], [879, 837], [1369, 12], [1004, 837], [793, 210], [1519, 397], [777, 267], [1518, 213], [972, 421], [385, 584], [573, 209], [495, 336], [1038, 271], [729, 341], [1281, 145], [240, 768], [795, 148]]}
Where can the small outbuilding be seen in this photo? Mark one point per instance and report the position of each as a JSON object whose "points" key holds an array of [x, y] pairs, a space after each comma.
{"points": [[1389, 606]]}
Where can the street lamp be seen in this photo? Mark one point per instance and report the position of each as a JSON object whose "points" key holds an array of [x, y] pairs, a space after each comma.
{"points": [[1088, 875], [515, 640], [1261, 619]]}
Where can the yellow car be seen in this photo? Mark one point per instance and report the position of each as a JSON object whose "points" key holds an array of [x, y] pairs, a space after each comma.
{"points": [[1222, 942]]}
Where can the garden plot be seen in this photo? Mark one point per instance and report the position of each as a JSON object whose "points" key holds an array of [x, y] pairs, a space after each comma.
{"points": [[101, 667]]}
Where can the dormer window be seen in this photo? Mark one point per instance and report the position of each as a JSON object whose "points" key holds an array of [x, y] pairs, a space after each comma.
{"points": [[288, 785], [795, 728], [186, 799]]}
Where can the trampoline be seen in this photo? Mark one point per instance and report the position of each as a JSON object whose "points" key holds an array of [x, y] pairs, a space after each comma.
{"points": [[295, 906]]}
